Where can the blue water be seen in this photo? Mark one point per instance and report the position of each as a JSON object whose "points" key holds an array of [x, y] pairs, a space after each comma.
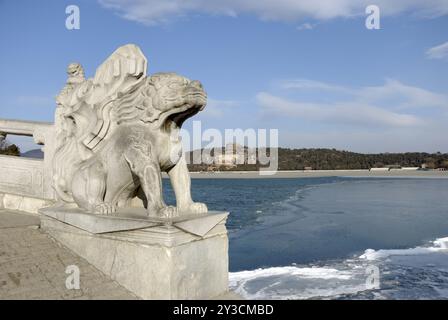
{"points": [[303, 238]]}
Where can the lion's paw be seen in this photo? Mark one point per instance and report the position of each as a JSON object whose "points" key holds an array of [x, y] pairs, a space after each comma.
{"points": [[196, 208], [168, 212], [105, 209]]}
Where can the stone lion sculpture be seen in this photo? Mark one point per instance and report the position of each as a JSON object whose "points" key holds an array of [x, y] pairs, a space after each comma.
{"points": [[117, 132]]}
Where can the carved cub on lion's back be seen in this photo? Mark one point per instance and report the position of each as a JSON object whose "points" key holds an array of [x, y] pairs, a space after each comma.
{"points": [[118, 131]]}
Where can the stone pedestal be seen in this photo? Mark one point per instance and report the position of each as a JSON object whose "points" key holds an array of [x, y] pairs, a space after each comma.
{"points": [[181, 258]]}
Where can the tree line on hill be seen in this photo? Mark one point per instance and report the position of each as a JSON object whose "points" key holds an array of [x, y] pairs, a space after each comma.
{"points": [[331, 159]]}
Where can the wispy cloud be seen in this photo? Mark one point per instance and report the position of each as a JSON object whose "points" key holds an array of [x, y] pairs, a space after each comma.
{"points": [[305, 26], [307, 84], [402, 95], [393, 104], [438, 52], [391, 117], [152, 12], [336, 113]]}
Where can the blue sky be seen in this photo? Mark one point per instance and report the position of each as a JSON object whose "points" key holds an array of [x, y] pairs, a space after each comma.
{"points": [[308, 68]]}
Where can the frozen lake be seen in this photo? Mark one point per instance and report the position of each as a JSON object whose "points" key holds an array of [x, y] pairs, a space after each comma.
{"points": [[323, 237]]}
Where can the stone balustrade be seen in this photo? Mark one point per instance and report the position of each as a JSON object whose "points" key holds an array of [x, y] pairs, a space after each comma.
{"points": [[25, 183]]}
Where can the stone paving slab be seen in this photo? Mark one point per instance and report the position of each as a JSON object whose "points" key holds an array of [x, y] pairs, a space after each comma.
{"points": [[33, 266], [16, 219]]}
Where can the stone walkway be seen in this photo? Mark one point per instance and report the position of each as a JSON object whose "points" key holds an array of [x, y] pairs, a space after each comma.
{"points": [[33, 266]]}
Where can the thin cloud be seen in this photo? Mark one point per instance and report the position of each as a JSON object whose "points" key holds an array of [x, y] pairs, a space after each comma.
{"points": [[392, 117], [405, 96], [336, 113], [438, 52], [307, 84], [152, 12], [402, 95], [305, 26]]}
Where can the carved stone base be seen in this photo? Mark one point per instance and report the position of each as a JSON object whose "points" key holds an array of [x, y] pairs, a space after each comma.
{"points": [[183, 258], [22, 203]]}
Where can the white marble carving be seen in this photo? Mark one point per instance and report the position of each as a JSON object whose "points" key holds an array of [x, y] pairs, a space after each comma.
{"points": [[115, 133]]}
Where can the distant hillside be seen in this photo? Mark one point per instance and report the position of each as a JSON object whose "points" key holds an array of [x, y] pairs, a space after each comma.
{"points": [[36, 153], [332, 159]]}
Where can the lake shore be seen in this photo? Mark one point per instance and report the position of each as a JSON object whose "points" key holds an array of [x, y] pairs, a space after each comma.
{"points": [[320, 173]]}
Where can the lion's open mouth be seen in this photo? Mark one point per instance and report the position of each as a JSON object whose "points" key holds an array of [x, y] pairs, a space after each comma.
{"points": [[194, 100], [174, 121], [179, 118]]}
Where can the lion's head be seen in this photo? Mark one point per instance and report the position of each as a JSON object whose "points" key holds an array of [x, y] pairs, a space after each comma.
{"points": [[173, 99], [163, 100]]}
